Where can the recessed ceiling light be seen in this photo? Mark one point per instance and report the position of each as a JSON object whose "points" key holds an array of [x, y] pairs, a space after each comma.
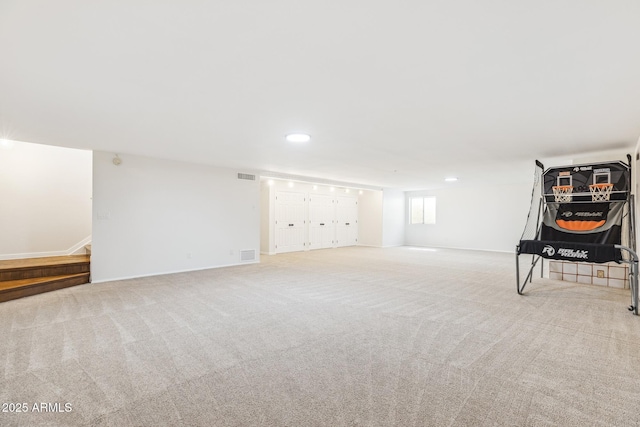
{"points": [[290, 184], [451, 179], [298, 137], [7, 144]]}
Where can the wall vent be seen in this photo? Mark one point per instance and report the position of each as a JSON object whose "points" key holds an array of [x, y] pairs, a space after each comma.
{"points": [[246, 176], [248, 255]]}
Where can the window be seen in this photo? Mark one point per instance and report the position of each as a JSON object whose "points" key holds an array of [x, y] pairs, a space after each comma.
{"points": [[423, 210]]}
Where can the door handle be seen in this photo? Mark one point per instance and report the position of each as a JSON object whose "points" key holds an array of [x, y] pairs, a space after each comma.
{"points": [[346, 223], [290, 225], [322, 223]]}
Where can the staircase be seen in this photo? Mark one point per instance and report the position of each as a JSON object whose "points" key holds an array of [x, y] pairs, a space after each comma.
{"points": [[25, 277]]}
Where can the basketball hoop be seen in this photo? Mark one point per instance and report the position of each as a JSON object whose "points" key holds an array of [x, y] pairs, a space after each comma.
{"points": [[600, 192], [562, 193]]}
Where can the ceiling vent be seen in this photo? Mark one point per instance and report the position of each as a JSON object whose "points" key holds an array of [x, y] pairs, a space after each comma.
{"points": [[248, 255], [246, 176]]}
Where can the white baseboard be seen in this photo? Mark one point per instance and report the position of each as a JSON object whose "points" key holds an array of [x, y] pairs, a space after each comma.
{"points": [[33, 255], [164, 273], [465, 249], [69, 251]]}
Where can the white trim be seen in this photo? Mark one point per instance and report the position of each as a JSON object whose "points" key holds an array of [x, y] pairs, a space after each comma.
{"points": [[375, 246], [81, 244], [465, 249], [69, 251], [174, 272], [33, 255]]}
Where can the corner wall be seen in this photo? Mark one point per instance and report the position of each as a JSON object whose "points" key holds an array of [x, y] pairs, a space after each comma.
{"points": [[488, 214], [370, 218], [158, 216], [45, 195], [267, 219], [467, 219], [393, 218]]}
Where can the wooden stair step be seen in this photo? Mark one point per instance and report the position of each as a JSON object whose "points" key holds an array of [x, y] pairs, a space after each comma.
{"points": [[11, 264], [13, 289], [40, 267], [36, 281]]}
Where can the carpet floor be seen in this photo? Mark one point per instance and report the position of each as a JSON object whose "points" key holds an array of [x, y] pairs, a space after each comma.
{"points": [[342, 337]]}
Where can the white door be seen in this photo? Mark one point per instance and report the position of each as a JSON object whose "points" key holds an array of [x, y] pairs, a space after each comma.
{"points": [[290, 221], [322, 226], [347, 221]]}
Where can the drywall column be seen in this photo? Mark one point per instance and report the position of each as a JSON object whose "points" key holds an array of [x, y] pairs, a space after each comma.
{"points": [[267, 219], [370, 218], [393, 217]]}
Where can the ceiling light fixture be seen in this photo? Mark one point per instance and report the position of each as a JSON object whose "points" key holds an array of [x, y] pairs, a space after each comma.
{"points": [[451, 179], [298, 137], [7, 144]]}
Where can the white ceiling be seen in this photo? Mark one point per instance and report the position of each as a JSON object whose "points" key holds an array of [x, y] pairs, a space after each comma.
{"points": [[397, 94]]}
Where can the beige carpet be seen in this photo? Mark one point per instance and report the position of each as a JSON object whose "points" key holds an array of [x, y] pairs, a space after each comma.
{"points": [[344, 337]]}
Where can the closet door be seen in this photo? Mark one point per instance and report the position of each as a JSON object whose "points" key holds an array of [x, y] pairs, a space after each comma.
{"points": [[321, 221], [290, 221], [346, 221]]}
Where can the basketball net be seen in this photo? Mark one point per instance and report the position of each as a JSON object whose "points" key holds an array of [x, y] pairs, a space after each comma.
{"points": [[600, 192], [562, 193]]}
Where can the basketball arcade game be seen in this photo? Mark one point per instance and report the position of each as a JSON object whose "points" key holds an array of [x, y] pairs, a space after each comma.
{"points": [[581, 213]]}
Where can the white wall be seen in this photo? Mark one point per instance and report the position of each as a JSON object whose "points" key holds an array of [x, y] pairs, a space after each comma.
{"points": [[157, 216], [599, 156], [467, 218], [267, 219], [370, 218], [46, 200], [487, 214], [393, 218]]}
